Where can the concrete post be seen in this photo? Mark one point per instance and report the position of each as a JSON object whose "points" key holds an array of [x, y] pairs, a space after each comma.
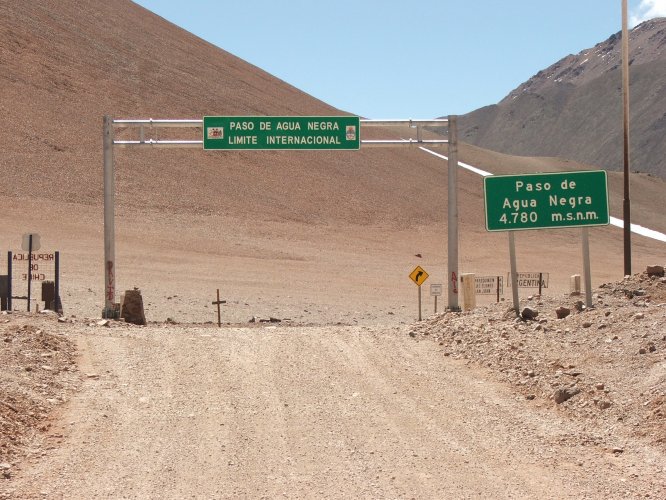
{"points": [[574, 284], [452, 276], [109, 222], [468, 286]]}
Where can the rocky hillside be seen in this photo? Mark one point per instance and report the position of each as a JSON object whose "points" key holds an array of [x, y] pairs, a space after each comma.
{"points": [[573, 109], [67, 63], [604, 366]]}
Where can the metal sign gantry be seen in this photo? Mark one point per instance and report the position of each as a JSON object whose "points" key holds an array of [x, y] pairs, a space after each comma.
{"points": [[149, 126]]}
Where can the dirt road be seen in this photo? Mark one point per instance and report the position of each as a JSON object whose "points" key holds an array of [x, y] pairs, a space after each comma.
{"points": [[304, 412]]}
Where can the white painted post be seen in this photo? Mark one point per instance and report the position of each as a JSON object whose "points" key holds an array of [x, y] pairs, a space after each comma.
{"points": [[109, 224], [467, 281], [574, 284], [453, 215]]}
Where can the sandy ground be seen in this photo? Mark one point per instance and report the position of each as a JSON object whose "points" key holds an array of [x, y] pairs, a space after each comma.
{"points": [[305, 412], [310, 274]]}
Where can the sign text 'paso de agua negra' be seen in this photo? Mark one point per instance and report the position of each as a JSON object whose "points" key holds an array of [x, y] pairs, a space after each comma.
{"points": [[548, 200], [281, 132]]}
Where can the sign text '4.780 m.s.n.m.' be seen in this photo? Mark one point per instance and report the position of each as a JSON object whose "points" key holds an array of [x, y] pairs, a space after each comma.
{"points": [[281, 132], [550, 200]]}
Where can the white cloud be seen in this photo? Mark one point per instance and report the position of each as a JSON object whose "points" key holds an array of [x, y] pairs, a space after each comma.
{"points": [[648, 9]]}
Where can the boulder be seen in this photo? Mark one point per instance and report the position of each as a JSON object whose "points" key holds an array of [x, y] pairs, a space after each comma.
{"points": [[529, 313], [132, 307], [562, 312], [655, 271]]}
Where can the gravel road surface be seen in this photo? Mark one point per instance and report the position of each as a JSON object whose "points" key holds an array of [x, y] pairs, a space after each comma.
{"points": [[300, 412]]}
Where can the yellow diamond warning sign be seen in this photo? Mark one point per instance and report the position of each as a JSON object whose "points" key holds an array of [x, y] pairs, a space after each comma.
{"points": [[418, 275]]}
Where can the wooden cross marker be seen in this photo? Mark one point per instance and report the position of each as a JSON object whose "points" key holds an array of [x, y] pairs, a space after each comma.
{"points": [[217, 303]]}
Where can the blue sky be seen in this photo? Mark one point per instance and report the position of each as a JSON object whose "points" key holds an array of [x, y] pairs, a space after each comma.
{"points": [[403, 59]]}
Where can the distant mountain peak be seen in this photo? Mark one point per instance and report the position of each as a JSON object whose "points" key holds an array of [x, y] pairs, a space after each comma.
{"points": [[573, 108], [647, 44]]}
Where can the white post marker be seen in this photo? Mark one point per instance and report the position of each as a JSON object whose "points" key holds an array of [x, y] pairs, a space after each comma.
{"points": [[574, 284], [468, 285]]}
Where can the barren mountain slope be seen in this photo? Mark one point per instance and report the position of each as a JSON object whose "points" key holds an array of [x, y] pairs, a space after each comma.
{"points": [[573, 109], [68, 63]]}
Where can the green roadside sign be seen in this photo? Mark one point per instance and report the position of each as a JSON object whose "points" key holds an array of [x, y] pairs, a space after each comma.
{"points": [[548, 200], [281, 132]]}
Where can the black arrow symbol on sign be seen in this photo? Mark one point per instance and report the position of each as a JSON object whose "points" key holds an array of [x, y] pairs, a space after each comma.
{"points": [[418, 275]]}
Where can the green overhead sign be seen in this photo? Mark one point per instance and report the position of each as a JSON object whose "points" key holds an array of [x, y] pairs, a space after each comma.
{"points": [[550, 200], [281, 132]]}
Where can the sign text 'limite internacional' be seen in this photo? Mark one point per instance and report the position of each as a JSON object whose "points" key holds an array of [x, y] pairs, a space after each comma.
{"points": [[549, 200], [281, 132]]}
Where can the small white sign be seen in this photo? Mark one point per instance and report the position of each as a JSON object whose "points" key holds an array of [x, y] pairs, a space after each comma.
{"points": [[436, 290], [36, 244]]}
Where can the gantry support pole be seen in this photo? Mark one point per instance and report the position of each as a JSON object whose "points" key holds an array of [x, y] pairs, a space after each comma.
{"points": [[626, 204], [109, 224], [453, 215]]}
